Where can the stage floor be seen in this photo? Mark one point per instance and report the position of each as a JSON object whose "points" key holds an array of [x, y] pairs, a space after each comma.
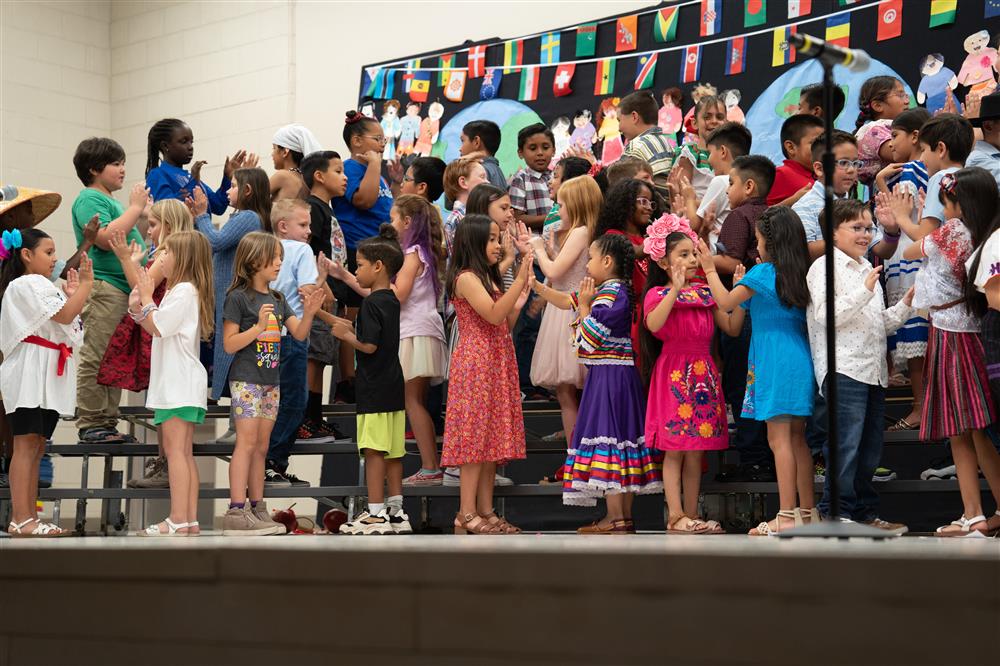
{"points": [[531, 599]]}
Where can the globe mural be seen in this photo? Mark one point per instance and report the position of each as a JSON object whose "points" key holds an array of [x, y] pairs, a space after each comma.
{"points": [[509, 114]]}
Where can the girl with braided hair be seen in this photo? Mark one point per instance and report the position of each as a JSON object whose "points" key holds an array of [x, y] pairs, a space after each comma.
{"points": [[780, 370]]}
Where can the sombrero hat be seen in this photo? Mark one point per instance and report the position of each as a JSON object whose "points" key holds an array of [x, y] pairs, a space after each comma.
{"points": [[43, 202]]}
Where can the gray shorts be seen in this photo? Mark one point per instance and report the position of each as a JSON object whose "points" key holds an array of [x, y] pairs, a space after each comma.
{"points": [[323, 347]]}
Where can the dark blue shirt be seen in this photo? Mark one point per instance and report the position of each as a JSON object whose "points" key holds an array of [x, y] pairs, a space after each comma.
{"points": [[168, 181], [359, 224]]}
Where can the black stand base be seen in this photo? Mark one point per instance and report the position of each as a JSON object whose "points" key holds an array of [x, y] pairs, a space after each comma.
{"points": [[834, 529]]}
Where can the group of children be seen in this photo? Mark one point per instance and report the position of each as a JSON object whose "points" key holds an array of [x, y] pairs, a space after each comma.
{"points": [[621, 288]]}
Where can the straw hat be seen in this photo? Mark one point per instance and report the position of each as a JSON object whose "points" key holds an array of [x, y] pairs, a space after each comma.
{"points": [[43, 202]]}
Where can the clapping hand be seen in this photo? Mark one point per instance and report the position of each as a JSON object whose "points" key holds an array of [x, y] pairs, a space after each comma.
{"points": [[196, 169], [91, 229], [587, 293], [144, 283], [705, 257], [739, 272], [264, 316], [678, 276], [312, 300], [872, 278], [908, 296], [523, 239], [198, 204], [72, 282]]}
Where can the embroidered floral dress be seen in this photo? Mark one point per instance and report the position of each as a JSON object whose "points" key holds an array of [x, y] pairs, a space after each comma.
{"points": [[685, 409]]}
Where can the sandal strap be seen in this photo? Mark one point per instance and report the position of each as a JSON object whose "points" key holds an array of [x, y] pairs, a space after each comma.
{"points": [[47, 528], [17, 527], [175, 526]]}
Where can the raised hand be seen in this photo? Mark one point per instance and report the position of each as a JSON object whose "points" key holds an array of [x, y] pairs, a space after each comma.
{"points": [[587, 292], [196, 169], [576, 150], [119, 246], [322, 267], [233, 163], [312, 301], [341, 328], [872, 278], [372, 157], [72, 282], [523, 239], [507, 242], [908, 296], [739, 272], [144, 283], [901, 203], [86, 270], [705, 257], [678, 276], [395, 171], [197, 204], [526, 269], [91, 228], [138, 195], [522, 298], [264, 315]]}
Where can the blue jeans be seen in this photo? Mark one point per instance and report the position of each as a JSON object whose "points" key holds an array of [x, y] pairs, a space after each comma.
{"points": [[860, 413], [525, 334], [294, 395], [751, 435]]}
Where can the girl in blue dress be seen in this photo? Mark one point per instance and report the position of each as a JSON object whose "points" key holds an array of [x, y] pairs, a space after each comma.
{"points": [[780, 372]]}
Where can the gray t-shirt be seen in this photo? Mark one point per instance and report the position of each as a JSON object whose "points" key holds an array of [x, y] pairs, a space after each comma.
{"points": [[257, 363]]}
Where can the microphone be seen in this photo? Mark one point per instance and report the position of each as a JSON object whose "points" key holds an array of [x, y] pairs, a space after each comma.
{"points": [[8, 193], [855, 60]]}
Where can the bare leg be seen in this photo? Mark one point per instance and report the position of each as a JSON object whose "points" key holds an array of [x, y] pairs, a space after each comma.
{"points": [[35, 472], [240, 463], [673, 462], [692, 481], [627, 505], [469, 487], [421, 422], [779, 437], [255, 482], [347, 351], [394, 475], [24, 469], [616, 508], [804, 473], [569, 406], [194, 483], [967, 469], [916, 368], [174, 433], [484, 493], [375, 466]]}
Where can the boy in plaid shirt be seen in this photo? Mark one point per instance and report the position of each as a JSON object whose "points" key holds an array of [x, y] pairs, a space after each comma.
{"points": [[529, 187]]}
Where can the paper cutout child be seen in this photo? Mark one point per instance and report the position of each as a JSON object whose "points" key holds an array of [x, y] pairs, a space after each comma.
{"points": [[560, 130], [584, 130], [409, 128], [977, 70], [429, 129], [670, 117], [700, 90], [391, 127], [367, 107], [608, 131], [731, 98], [937, 83]]}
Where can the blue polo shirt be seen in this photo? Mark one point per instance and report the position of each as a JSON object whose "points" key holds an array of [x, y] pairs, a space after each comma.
{"points": [[356, 223]]}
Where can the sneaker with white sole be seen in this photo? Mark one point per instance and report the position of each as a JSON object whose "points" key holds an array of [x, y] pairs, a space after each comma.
{"points": [[883, 474], [898, 529], [367, 524], [400, 522], [228, 437], [154, 475], [452, 478], [499, 480], [275, 479], [241, 522], [424, 478], [940, 470], [264, 519]]}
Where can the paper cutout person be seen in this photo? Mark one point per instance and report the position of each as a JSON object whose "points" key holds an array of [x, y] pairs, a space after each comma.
{"points": [[429, 129], [977, 70], [367, 108], [584, 130], [560, 130], [937, 83], [608, 131], [409, 128], [731, 98], [670, 117], [391, 127]]}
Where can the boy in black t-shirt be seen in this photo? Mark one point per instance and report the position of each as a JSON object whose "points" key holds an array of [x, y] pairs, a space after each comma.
{"points": [[379, 385]]}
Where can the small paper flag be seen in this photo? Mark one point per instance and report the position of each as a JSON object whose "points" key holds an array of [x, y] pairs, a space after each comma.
{"points": [[447, 61], [799, 8], [420, 87], [625, 33], [943, 12], [586, 40], [477, 61], [490, 87], [408, 76], [844, 3], [645, 71], [455, 90], [563, 79], [782, 53], [691, 64], [754, 13], [890, 20], [665, 25], [991, 9], [711, 17], [528, 92], [513, 54], [550, 48], [381, 86], [604, 82], [736, 56], [838, 30]]}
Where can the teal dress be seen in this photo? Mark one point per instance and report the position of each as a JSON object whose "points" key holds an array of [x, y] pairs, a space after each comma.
{"points": [[780, 370]]}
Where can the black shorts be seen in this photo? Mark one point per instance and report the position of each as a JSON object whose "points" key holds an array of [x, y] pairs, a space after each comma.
{"points": [[345, 295], [33, 421]]}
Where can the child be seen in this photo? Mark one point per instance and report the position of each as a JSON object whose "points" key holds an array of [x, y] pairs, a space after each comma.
{"points": [[881, 99], [289, 146], [380, 394], [494, 203], [607, 456], [686, 414], [250, 196], [253, 316], [780, 372], [483, 136], [986, 152], [565, 169], [726, 143], [692, 159], [178, 383], [460, 177], [484, 426], [638, 116], [39, 329], [290, 219], [173, 139], [529, 187], [554, 362], [908, 344], [323, 173], [811, 101], [100, 165], [750, 180], [625, 168], [810, 206], [958, 404], [862, 370], [795, 175], [424, 177]]}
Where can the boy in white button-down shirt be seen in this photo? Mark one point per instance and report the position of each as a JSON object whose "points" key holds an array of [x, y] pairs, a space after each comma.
{"points": [[862, 371]]}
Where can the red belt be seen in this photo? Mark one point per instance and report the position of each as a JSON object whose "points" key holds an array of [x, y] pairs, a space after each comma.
{"points": [[64, 351]]}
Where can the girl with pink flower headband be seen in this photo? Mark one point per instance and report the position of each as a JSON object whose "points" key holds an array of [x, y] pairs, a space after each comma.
{"points": [[685, 412]]}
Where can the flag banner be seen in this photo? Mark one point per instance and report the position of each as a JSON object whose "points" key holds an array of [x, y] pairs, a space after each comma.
{"points": [[844, 3], [490, 87], [408, 76], [943, 12], [381, 86], [691, 64], [447, 62], [455, 90], [799, 8], [782, 53], [625, 33], [736, 56], [645, 71], [420, 86], [550, 48], [711, 17], [665, 25], [604, 82], [513, 55], [890, 20], [754, 13], [586, 40], [477, 61], [563, 79], [528, 92], [838, 30]]}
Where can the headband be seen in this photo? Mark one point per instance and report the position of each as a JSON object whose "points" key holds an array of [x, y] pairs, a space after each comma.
{"points": [[655, 245]]}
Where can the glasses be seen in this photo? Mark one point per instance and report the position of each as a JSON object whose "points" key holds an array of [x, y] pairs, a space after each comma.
{"points": [[849, 164], [407, 179], [902, 94], [863, 229], [378, 139], [948, 183], [643, 201]]}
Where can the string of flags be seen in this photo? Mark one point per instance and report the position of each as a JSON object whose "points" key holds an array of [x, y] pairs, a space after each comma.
{"points": [[554, 51]]}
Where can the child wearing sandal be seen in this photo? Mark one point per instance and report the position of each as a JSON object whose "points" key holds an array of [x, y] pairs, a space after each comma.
{"points": [[607, 456], [178, 383], [780, 384], [39, 329], [686, 412], [252, 319]]}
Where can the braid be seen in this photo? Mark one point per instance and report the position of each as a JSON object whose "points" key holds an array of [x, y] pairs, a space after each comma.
{"points": [[158, 133], [619, 248]]}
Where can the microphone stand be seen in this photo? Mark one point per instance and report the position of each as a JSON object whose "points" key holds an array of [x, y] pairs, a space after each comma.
{"points": [[832, 528]]}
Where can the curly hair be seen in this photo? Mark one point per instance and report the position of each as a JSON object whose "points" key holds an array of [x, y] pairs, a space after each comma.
{"points": [[619, 248], [619, 206]]}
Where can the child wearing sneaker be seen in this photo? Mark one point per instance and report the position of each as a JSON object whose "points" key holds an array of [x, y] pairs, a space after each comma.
{"points": [[379, 386], [252, 319]]}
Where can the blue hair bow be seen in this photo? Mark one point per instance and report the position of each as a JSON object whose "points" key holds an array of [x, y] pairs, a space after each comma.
{"points": [[10, 240]]}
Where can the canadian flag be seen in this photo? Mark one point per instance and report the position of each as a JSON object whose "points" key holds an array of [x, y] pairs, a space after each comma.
{"points": [[563, 79], [477, 61]]}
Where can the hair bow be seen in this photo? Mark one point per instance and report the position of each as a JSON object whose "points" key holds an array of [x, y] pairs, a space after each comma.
{"points": [[654, 244], [10, 240]]}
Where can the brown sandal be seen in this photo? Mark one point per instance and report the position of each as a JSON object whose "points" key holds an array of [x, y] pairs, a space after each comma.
{"points": [[502, 525], [464, 524], [693, 526], [903, 425]]}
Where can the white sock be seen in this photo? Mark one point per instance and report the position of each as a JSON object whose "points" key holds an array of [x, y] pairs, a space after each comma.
{"points": [[375, 509], [395, 503]]}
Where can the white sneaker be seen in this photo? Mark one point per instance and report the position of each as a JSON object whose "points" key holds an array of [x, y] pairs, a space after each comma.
{"points": [[451, 477], [400, 522], [939, 474], [502, 481], [228, 437], [366, 524]]}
